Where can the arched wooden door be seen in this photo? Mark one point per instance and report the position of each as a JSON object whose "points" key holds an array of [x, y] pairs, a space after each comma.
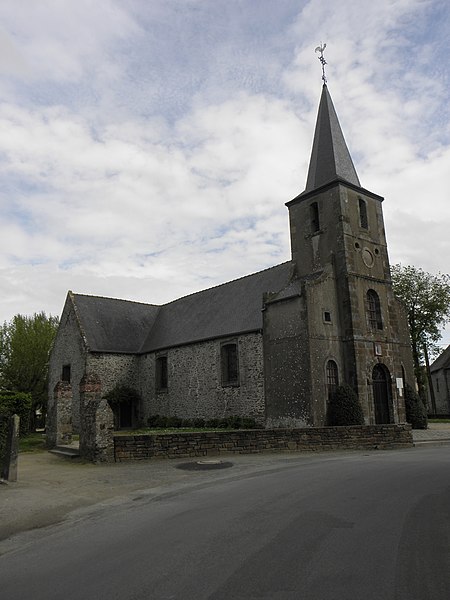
{"points": [[382, 394]]}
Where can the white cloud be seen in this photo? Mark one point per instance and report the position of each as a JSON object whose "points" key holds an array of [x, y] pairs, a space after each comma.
{"points": [[147, 149]]}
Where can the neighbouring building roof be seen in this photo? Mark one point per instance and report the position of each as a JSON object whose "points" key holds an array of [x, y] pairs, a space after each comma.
{"points": [[442, 361], [111, 325], [330, 158]]}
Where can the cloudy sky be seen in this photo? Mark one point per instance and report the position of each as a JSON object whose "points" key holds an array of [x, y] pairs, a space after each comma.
{"points": [[147, 147]]}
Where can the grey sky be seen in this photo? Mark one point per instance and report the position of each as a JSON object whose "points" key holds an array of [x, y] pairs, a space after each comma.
{"points": [[147, 148]]}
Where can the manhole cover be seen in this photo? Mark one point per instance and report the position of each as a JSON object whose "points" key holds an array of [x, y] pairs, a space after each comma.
{"points": [[205, 465]]}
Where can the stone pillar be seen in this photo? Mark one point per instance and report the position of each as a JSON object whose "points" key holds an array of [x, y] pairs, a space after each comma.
{"points": [[9, 467], [59, 416], [96, 422]]}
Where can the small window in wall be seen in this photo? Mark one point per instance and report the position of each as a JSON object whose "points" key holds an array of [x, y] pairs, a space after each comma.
{"points": [[314, 215], [437, 384], [229, 363], [332, 378], [65, 375], [373, 310], [327, 316], [363, 214], [161, 373]]}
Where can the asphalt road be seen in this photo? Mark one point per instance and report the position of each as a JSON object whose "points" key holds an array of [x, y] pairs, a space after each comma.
{"points": [[345, 526]]}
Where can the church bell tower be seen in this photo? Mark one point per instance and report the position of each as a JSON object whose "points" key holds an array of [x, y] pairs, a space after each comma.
{"points": [[338, 242], [354, 330]]}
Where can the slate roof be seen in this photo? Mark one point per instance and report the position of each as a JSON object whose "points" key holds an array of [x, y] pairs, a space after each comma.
{"points": [[442, 361], [330, 158], [111, 325]]}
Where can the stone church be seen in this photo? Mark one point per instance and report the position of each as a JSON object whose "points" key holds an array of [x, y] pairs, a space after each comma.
{"points": [[273, 345]]}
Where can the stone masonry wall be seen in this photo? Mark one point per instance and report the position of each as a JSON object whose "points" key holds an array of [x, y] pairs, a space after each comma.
{"points": [[195, 385], [218, 443], [68, 349]]}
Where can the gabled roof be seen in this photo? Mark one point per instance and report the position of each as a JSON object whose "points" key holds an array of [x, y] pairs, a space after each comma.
{"points": [[330, 158], [442, 361], [121, 326], [228, 309], [112, 325]]}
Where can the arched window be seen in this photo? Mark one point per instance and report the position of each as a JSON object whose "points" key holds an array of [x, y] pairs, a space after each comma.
{"points": [[332, 378], [314, 214], [373, 310], [229, 363], [363, 214]]}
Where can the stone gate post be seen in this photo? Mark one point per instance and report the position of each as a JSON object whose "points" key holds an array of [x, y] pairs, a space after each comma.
{"points": [[59, 416], [96, 422]]}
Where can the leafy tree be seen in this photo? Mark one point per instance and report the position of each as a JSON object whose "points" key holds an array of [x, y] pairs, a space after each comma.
{"points": [[24, 347], [344, 407], [12, 403], [427, 301]]}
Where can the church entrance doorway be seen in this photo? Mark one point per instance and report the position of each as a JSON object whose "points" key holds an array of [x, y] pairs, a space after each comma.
{"points": [[382, 394]]}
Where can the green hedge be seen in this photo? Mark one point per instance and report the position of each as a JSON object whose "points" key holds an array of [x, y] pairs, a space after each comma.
{"points": [[174, 422]]}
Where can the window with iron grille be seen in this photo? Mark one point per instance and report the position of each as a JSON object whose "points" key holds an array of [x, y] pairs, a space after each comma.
{"points": [[332, 378], [374, 310]]}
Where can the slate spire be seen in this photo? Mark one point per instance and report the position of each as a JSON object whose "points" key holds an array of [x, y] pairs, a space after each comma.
{"points": [[330, 158]]}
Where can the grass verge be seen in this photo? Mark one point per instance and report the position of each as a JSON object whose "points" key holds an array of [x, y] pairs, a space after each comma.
{"points": [[33, 442]]}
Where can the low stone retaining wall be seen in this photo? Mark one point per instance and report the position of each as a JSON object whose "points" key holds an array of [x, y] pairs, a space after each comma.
{"points": [[214, 443]]}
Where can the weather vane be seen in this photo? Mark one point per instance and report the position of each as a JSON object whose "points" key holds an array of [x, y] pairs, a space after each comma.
{"points": [[320, 49]]}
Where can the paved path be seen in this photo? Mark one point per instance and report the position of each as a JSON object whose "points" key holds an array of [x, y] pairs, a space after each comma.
{"points": [[436, 432]]}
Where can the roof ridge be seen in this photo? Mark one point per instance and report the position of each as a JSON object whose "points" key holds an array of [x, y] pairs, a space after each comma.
{"points": [[117, 299], [213, 287]]}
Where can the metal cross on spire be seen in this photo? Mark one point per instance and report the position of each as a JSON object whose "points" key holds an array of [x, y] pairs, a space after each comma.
{"points": [[320, 49]]}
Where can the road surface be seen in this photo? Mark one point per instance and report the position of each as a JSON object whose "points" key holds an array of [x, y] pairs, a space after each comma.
{"points": [[339, 526]]}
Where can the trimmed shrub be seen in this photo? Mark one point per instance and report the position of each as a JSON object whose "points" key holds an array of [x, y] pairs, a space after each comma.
{"points": [[248, 423], [344, 408], [122, 393], [160, 422], [415, 410], [174, 422], [152, 420]]}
